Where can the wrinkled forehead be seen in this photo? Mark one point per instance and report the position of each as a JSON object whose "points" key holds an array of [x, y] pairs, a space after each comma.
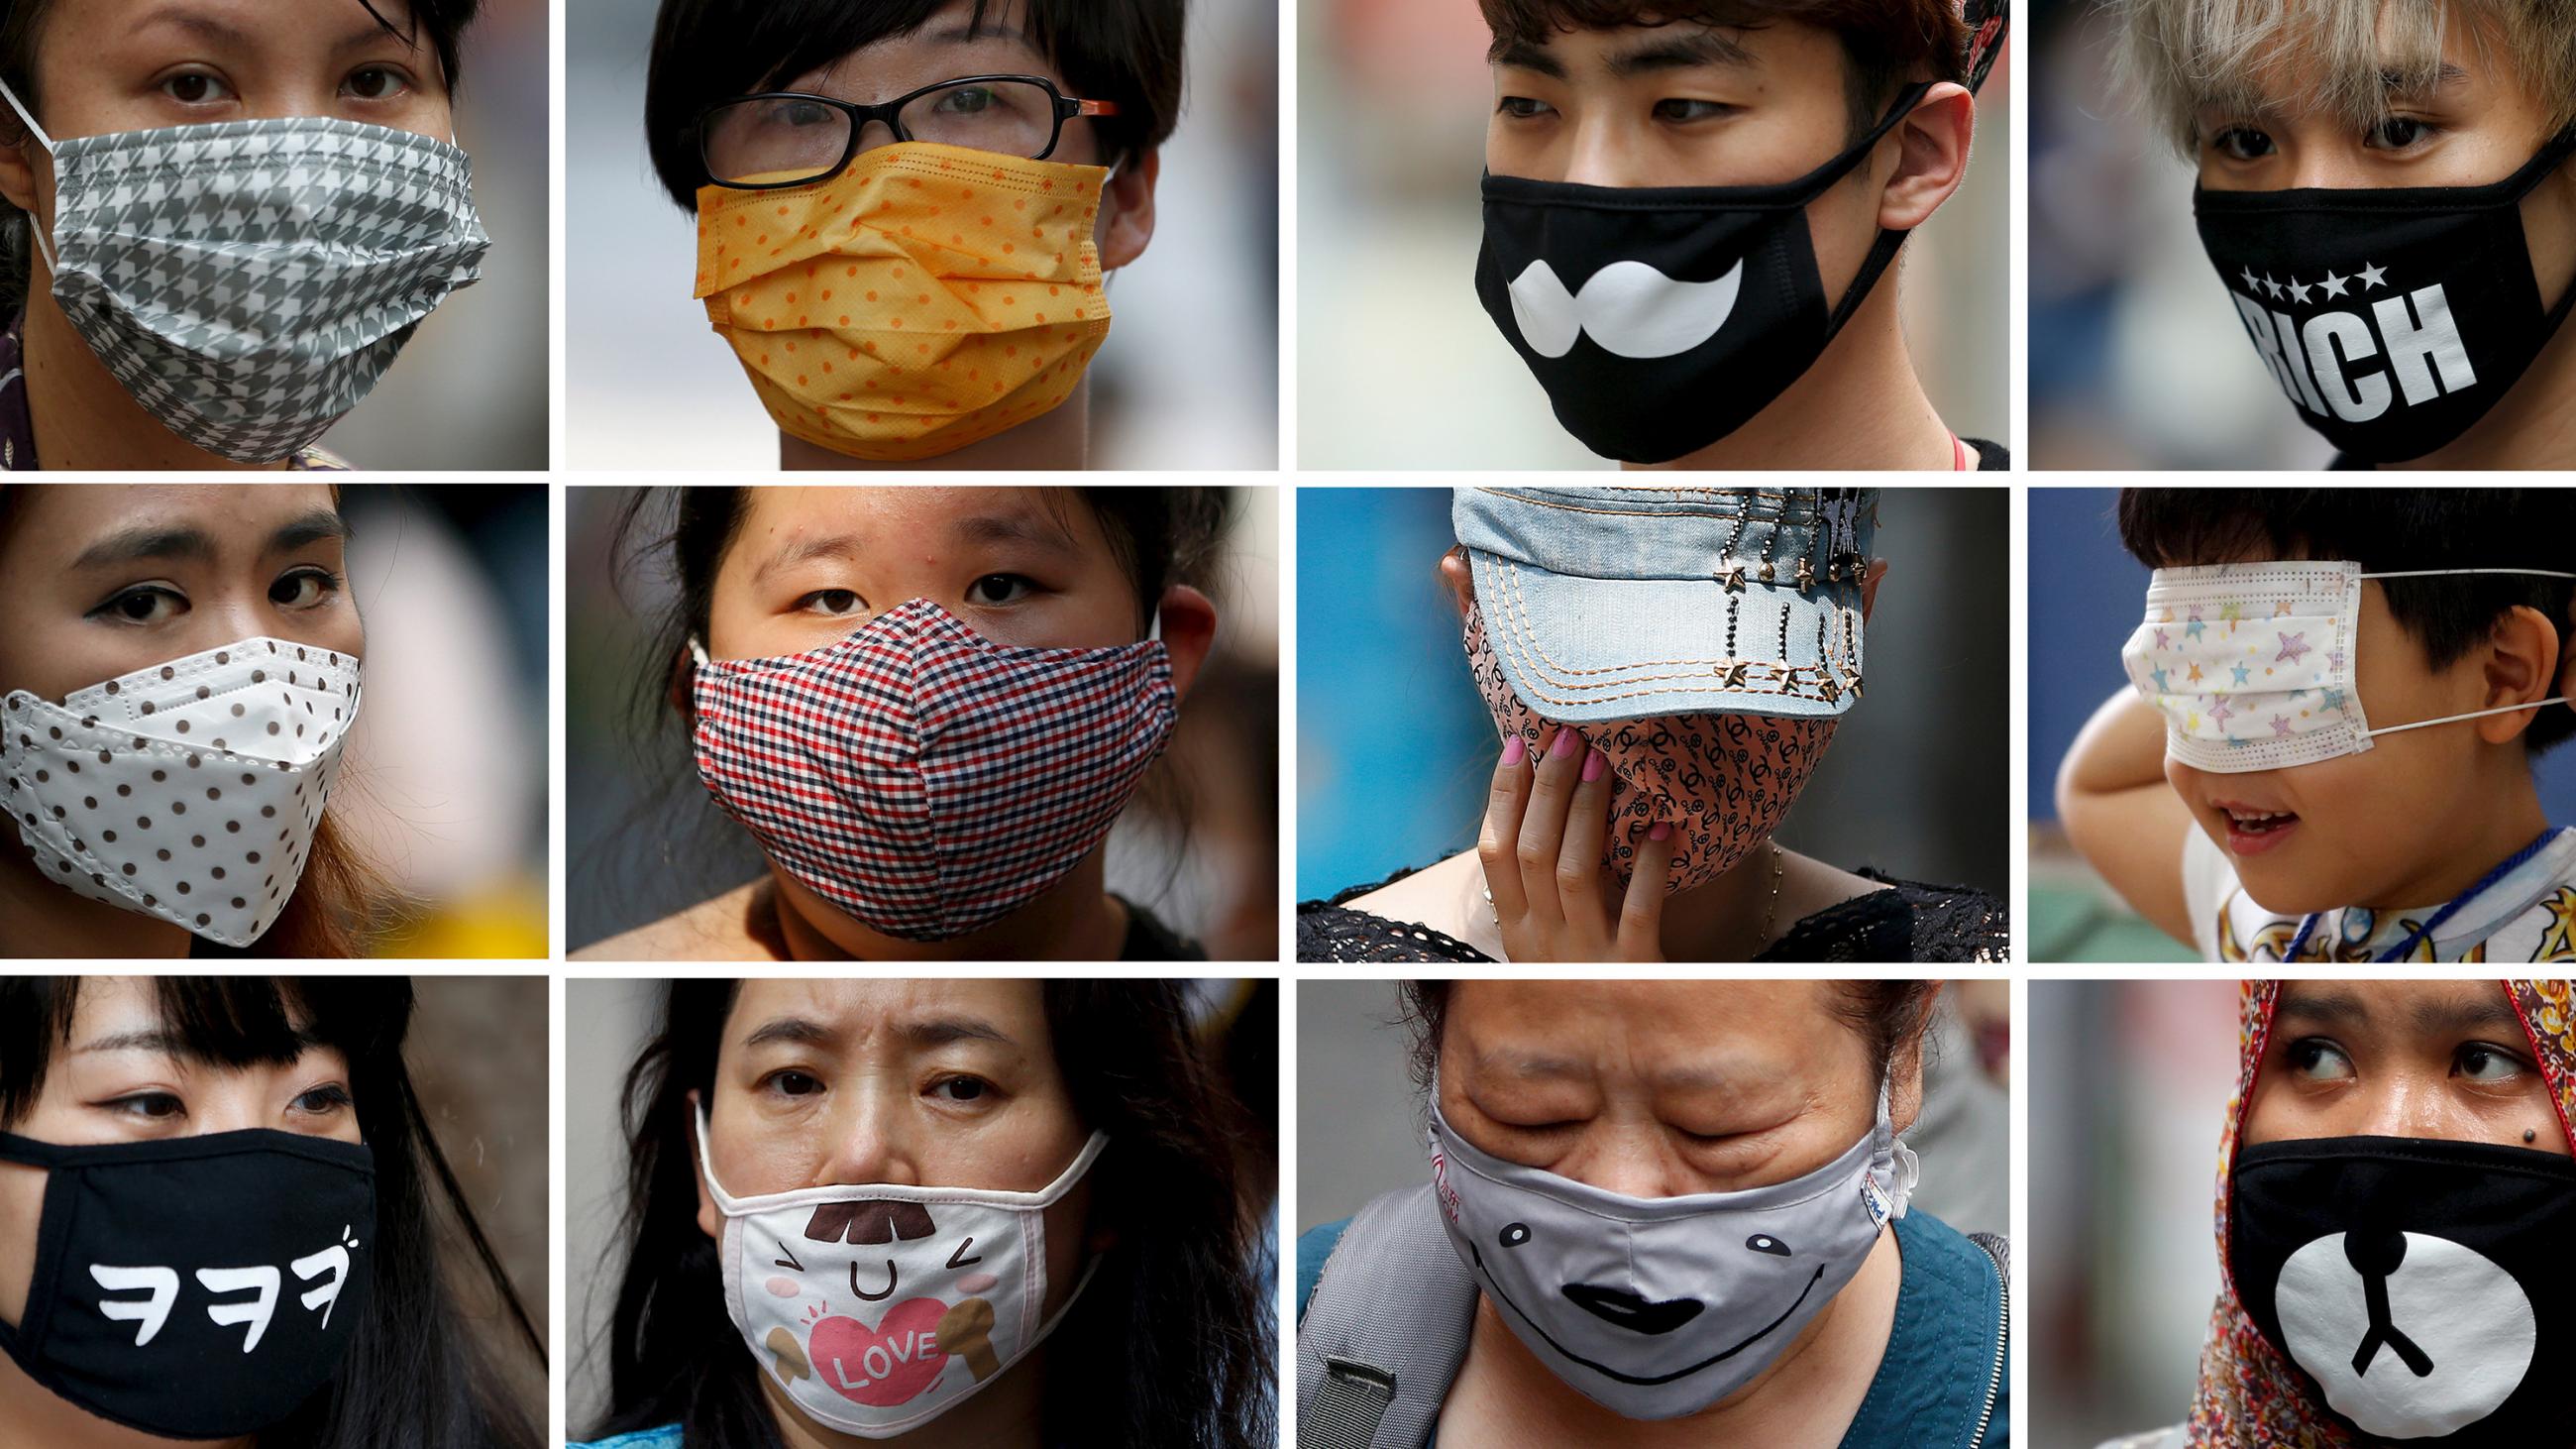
{"points": [[1737, 1038]]}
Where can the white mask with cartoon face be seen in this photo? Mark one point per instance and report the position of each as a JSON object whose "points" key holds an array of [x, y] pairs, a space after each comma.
{"points": [[879, 1308]]}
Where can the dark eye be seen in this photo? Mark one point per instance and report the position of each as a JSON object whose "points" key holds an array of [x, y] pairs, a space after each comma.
{"points": [[1765, 1243], [376, 83], [1524, 108], [1677, 109], [1515, 1234], [963, 1089], [301, 589], [2482, 1063], [195, 88], [2396, 133], [999, 589], [792, 1083], [832, 603], [145, 605], [151, 1106], [2242, 143], [323, 1100]]}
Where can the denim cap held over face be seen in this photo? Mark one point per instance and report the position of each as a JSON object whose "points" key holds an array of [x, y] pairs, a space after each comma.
{"points": [[1622, 603]]}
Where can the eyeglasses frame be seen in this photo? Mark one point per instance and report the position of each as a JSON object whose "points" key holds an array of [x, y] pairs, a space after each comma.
{"points": [[1066, 108]]}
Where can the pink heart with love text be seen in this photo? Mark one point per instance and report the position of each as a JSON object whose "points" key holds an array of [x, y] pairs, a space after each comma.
{"points": [[882, 1366]]}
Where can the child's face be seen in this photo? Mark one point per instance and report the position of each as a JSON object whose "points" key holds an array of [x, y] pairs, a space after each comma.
{"points": [[2478, 123], [812, 565], [2361, 829]]}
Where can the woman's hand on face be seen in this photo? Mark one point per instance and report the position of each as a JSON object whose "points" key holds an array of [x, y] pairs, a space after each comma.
{"points": [[1541, 852]]}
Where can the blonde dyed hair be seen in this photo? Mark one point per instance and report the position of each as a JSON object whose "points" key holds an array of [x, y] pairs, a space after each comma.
{"points": [[2178, 56]]}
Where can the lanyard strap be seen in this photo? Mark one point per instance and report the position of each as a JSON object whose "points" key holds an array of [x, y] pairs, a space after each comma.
{"points": [[2307, 927]]}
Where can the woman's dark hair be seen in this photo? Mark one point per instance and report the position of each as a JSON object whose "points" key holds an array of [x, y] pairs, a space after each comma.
{"points": [[1168, 1348], [2387, 529], [1887, 1016], [705, 51], [416, 1375], [441, 23]]}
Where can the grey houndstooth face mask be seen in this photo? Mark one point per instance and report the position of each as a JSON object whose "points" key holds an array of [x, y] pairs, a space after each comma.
{"points": [[1658, 1307], [248, 281]]}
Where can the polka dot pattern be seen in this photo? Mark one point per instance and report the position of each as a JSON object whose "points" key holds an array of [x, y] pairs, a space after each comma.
{"points": [[926, 298], [188, 791]]}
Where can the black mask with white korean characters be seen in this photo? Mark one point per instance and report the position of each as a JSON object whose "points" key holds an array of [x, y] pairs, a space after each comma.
{"points": [[2394, 317], [195, 1287]]}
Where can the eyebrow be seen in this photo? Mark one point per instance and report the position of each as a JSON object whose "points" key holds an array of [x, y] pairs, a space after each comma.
{"points": [[216, 32], [981, 528], [1688, 51], [2449, 1016], [190, 542], [169, 1043], [930, 1032], [1013, 528]]}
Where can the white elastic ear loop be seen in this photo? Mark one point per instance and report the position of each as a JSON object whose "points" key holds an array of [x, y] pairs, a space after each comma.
{"points": [[2473, 714], [35, 224], [698, 652]]}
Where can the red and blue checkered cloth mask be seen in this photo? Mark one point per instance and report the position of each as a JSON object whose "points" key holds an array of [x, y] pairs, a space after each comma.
{"points": [[922, 777]]}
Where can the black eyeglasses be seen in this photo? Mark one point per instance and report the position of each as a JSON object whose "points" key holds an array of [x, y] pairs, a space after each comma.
{"points": [[787, 138]]}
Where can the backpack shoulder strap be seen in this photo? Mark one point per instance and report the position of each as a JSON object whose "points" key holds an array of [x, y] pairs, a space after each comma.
{"points": [[1382, 1338]]}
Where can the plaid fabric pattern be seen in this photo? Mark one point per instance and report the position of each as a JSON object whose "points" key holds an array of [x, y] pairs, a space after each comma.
{"points": [[249, 281], [189, 791], [923, 778]]}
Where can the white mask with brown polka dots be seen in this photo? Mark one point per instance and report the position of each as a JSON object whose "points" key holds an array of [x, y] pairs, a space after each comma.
{"points": [[189, 791]]}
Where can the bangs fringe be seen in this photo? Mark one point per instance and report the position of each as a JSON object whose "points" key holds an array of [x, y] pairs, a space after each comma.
{"points": [[2179, 57]]}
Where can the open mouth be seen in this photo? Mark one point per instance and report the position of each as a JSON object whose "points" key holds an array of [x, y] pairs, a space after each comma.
{"points": [[2252, 832]]}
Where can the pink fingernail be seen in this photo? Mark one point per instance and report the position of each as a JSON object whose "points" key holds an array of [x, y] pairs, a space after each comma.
{"points": [[1660, 832], [1566, 743], [1593, 765], [1514, 751]]}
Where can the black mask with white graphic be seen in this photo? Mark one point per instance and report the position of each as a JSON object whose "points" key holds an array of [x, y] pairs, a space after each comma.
{"points": [[195, 1287], [2423, 1288], [2393, 317], [1661, 319]]}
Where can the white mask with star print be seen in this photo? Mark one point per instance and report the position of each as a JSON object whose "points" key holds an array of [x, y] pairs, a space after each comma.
{"points": [[2251, 664], [189, 791]]}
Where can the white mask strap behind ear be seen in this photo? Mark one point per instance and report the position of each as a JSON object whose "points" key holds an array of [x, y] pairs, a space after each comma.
{"points": [[35, 224]]}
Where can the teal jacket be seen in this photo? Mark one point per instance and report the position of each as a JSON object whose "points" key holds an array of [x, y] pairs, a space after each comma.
{"points": [[1941, 1355]]}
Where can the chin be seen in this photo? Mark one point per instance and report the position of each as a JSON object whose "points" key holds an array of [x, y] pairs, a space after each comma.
{"points": [[2286, 890]]}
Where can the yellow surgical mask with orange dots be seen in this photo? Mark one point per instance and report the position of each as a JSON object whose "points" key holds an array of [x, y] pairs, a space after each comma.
{"points": [[925, 298]]}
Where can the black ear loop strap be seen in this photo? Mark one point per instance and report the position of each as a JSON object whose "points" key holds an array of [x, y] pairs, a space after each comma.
{"points": [[1882, 252]]}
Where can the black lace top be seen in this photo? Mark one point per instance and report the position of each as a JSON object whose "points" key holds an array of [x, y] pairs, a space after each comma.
{"points": [[1905, 922]]}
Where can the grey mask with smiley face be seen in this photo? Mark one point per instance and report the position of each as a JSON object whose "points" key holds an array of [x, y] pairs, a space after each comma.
{"points": [[1658, 1307]]}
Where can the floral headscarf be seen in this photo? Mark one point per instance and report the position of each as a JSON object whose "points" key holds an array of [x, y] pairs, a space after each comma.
{"points": [[2249, 1394]]}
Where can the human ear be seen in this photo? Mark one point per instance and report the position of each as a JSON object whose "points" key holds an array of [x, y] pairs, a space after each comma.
{"points": [[1905, 1072], [1459, 580], [1127, 210], [2521, 665], [1869, 587], [1189, 631], [1931, 157]]}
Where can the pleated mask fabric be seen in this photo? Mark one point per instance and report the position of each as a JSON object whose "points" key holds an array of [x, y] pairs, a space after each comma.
{"points": [[925, 298], [249, 282]]}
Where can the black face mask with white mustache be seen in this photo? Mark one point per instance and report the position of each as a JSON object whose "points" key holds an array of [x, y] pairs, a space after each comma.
{"points": [[1661, 319], [2394, 317]]}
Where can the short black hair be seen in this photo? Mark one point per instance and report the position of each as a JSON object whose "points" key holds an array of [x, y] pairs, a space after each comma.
{"points": [[2387, 529], [1887, 44], [705, 51]]}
